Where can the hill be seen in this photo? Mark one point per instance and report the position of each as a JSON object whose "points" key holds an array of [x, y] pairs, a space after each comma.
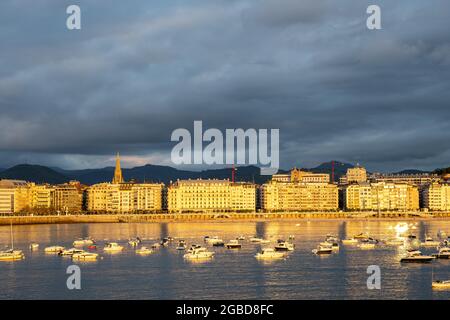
{"points": [[34, 173]]}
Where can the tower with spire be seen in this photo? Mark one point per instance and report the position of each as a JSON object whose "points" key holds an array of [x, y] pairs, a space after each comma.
{"points": [[118, 178]]}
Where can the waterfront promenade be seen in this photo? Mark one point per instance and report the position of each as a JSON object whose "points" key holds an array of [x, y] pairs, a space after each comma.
{"points": [[196, 217]]}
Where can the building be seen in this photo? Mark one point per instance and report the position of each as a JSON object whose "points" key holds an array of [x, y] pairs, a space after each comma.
{"points": [[299, 196], [419, 180], [436, 197], [357, 174], [211, 196], [122, 197], [9, 202], [296, 175], [68, 197], [381, 196]]}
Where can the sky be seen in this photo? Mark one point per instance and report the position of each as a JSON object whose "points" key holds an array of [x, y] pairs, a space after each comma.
{"points": [[137, 70]]}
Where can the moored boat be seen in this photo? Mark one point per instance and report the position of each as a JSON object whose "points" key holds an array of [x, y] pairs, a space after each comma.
{"points": [[415, 256], [181, 245], [70, 252], [144, 250], [83, 242], [284, 246], [443, 253], [441, 284], [269, 253], [112, 247], [86, 256], [54, 249], [350, 241], [429, 242], [233, 244], [34, 246], [323, 248], [198, 252], [11, 255]]}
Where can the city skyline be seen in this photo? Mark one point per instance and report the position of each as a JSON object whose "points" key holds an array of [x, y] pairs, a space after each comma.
{"points": [[133, 74]]}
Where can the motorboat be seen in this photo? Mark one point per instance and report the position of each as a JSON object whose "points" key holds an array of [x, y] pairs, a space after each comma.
{"points": [[233, 244], [331, 238], [241, 238], [54, 249], [440, 284], [11, 255], [416, 256], [198, 252], [350, 241], [444, 253], [164, 242], [269, 253], [362, 235], [144, 250], [86, 256], [156, 245], [366, 245], [284, 246], [291, 237], [323, 248], [411, 236], [134, 242], [429, 242], [34, 246], [394, 242], [83, 242], [181, 245], [259, 240], [112, 247], [70, 252], [215, 241]]}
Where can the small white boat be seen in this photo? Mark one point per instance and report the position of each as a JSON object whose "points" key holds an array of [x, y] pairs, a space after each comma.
{"points": [[259, 240], [144, 250], [54, 249], [113, 247], [198, 252], [416, 256], [156, 245], [134, 242], [83, 242], [394, 242], [233, 244], [86, 256], [215, 241], [444, 253], [34, 246], [70, 252], [429, 242], [441, 284], [284, 246], [269, 253], [362, 235], [11, 255], [325, 248], [366, 245], [241, 238], [350, 241]]}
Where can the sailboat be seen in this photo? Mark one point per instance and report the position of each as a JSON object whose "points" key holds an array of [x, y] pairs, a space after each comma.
{"points": [[11, 254]]}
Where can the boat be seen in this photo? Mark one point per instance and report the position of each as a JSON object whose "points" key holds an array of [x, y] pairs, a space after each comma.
{"points": [[366, 245], [113, 247], [86, 256], [440, 284], [156, 245], [83, 242], [444, 253], [411, 236], [70, 252], [416, 256], [269, 253], [134, 242], [92, 247], [429, 242], [181, 245], [164, 242], [198, 252], [331, 238], [350, 241], [259, 240], [233, 244], [215, 241], [34, 246], [284, 246], [323, 249], [291, 237], [241, 238], [11, 254], [54, 249], [144, 250]]}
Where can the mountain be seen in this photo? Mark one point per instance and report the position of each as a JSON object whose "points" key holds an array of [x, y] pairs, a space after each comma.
{"points": [[411, 171], [340, 168], [34, 173], [442, 170]]}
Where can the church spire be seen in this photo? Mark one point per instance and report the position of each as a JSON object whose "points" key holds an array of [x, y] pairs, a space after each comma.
{"points": [[118, 171]]}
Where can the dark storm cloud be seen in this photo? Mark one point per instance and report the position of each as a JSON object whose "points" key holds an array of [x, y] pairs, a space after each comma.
{"points": [[135, 72]]}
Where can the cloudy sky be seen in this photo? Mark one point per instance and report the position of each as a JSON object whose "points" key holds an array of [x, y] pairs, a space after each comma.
{"points": [[139, 69]]}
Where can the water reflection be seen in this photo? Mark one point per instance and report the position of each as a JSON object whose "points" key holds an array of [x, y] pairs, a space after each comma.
{"points": [[231, 274]]}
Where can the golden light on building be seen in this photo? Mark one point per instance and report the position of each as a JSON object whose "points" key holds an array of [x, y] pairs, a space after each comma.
{"points": [[436, 197], [381, 196], [211, 196]]}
